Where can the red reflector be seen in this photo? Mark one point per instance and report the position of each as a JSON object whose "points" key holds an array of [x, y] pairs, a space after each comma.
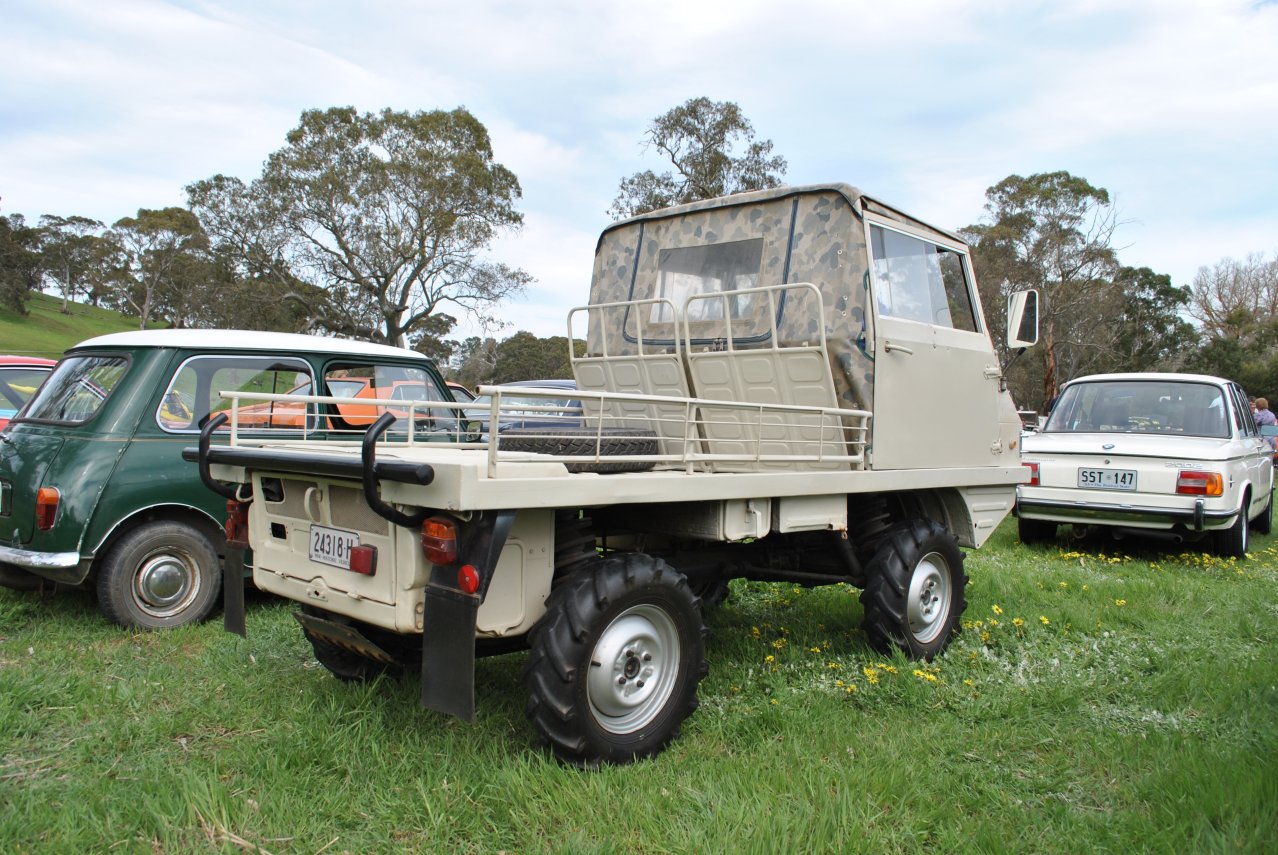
{"points": [[364, 559], [236, 524], [439, 540], [1033, 470], [468, 578], [47, 499], [1194, 483]]}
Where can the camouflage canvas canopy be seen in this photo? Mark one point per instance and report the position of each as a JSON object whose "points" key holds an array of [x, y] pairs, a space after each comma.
{"points": [[814, 234]]}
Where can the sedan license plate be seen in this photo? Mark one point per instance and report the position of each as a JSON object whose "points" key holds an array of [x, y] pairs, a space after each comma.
{"points": [[332, 546], [1107, 479]]}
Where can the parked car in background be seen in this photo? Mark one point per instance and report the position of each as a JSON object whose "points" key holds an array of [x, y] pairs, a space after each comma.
{"points": [[1176, 456], [20, 376], [93, 488], [528, 411], [461, 394]]}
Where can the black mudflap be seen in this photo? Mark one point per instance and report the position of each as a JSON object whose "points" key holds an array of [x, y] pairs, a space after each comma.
{"points": [[233, 591], [448, 651], [344, 636]]}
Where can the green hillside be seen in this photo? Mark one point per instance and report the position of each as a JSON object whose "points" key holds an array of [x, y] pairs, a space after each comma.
{"points": [[47, 332]]}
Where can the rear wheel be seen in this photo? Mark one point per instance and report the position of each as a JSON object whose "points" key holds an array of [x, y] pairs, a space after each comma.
{"points": [[1035, 531], [1265, 522], [158, 576], [1233, 541], [616, 661], [914, 594], [346, 665]]}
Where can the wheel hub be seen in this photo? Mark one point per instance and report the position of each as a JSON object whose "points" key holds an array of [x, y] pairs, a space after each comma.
{"points": [[164, 583], [633, 669], [928, 601]]}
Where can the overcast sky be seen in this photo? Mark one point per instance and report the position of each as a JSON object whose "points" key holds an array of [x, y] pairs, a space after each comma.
{"points": [[1171, 105]]}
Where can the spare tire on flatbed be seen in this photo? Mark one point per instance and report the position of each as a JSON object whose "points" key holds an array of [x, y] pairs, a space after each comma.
{"points": [[580, 442]]}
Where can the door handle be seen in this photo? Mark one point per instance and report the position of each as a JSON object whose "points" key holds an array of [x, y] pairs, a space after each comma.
{"points": [[888, 347]]}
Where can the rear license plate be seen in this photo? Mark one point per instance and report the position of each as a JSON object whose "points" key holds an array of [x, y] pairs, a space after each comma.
{"points": [[332, 546], [1107, 479]]}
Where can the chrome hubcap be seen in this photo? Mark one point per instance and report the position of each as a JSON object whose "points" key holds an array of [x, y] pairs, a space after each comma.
{"points": [[165, 583], [633, 669], [928, 601]]}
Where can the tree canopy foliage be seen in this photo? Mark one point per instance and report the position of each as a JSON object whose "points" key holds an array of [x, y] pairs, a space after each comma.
{"points": [[1236, 304], [700, 139], [384, 216]]}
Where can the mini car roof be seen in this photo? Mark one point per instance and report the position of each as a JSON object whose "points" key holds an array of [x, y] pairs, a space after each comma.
{"points": [[203, 339]]}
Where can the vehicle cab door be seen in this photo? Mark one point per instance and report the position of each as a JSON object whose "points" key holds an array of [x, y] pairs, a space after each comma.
{"points": [[937, 377]]}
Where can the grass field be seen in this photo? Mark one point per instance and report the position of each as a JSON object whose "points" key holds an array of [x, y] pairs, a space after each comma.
{"points": [[46, 332], [1099, 700]]}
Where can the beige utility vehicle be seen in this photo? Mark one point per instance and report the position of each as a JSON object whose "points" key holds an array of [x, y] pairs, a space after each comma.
{"points": [[794, 384]]}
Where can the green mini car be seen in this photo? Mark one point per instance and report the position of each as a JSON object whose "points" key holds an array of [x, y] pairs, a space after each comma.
{"points": [[93, 488]]}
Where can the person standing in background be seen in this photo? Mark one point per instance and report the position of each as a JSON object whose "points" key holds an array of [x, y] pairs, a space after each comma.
{"points": [[1265, 417]]}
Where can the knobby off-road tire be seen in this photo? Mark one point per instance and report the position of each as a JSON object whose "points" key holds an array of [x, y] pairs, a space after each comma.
{"points": [[582, 441], [914, 591], [347, 665], [158, 576], [1035, 531], [1233, 541], [616, 661], [1264, 524]]}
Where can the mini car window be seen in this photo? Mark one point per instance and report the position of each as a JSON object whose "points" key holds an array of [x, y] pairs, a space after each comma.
{"points": [[1143, 406], [391, 382], [196, 392], [77, 389], [917, 280]]}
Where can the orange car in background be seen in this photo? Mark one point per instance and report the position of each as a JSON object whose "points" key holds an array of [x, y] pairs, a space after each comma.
{"points": [[292, 415]]}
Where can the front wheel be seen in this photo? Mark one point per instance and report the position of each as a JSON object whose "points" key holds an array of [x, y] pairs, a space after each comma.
{"points": [[158, 576], [914, 592], [616, 661]]}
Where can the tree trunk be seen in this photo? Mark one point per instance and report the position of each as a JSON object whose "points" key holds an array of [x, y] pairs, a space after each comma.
{"points": [[1050, 386]]}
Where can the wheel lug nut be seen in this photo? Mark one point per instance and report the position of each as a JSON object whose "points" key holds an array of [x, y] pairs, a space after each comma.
{"points": [[621, 681], [639, 684], [647, 657]]}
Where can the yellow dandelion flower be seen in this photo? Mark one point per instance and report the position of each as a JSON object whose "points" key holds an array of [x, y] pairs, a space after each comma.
{"points": [[1017, 622], [770, 659], [1043, 620], [779, 643], [993, 622], [985, 637], [833, 666], [839, 683], [969, 683], [851, 689], [754, 631], [1086, 587], [774, 702], [997, 609], [814, 649], [1120, 602]]}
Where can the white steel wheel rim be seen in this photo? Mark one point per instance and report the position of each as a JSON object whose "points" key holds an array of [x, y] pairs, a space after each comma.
{"points": [[165, 583], [928, 601], [633, 669]]}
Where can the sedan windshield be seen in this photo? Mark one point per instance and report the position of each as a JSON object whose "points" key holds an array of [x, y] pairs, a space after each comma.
{"points": [[1141, 406]]}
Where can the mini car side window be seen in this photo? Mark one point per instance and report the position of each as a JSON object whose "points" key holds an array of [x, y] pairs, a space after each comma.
{"points": [[195, 393]]}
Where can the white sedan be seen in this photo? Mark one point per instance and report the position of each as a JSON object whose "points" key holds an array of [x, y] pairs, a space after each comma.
{"points": [[1176, 456]]}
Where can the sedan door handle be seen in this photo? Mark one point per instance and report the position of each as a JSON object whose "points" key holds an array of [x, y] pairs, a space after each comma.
{"points": [[888, 347]]}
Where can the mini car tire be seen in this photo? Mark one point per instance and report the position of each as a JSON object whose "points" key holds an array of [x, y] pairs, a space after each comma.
{"points": [[615, 662], [1232, 542], [1264, 524], [914, 592], [1035, 531], [159, 576], [582, 442]]}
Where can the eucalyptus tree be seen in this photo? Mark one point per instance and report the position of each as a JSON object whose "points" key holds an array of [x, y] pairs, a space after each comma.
{"points": [[373, 222], [160, 254], [76, 257], [1052, 231], [700, 139]]}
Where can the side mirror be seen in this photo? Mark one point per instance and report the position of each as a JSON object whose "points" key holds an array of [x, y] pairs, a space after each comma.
{"points": [[1022, 319]]}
